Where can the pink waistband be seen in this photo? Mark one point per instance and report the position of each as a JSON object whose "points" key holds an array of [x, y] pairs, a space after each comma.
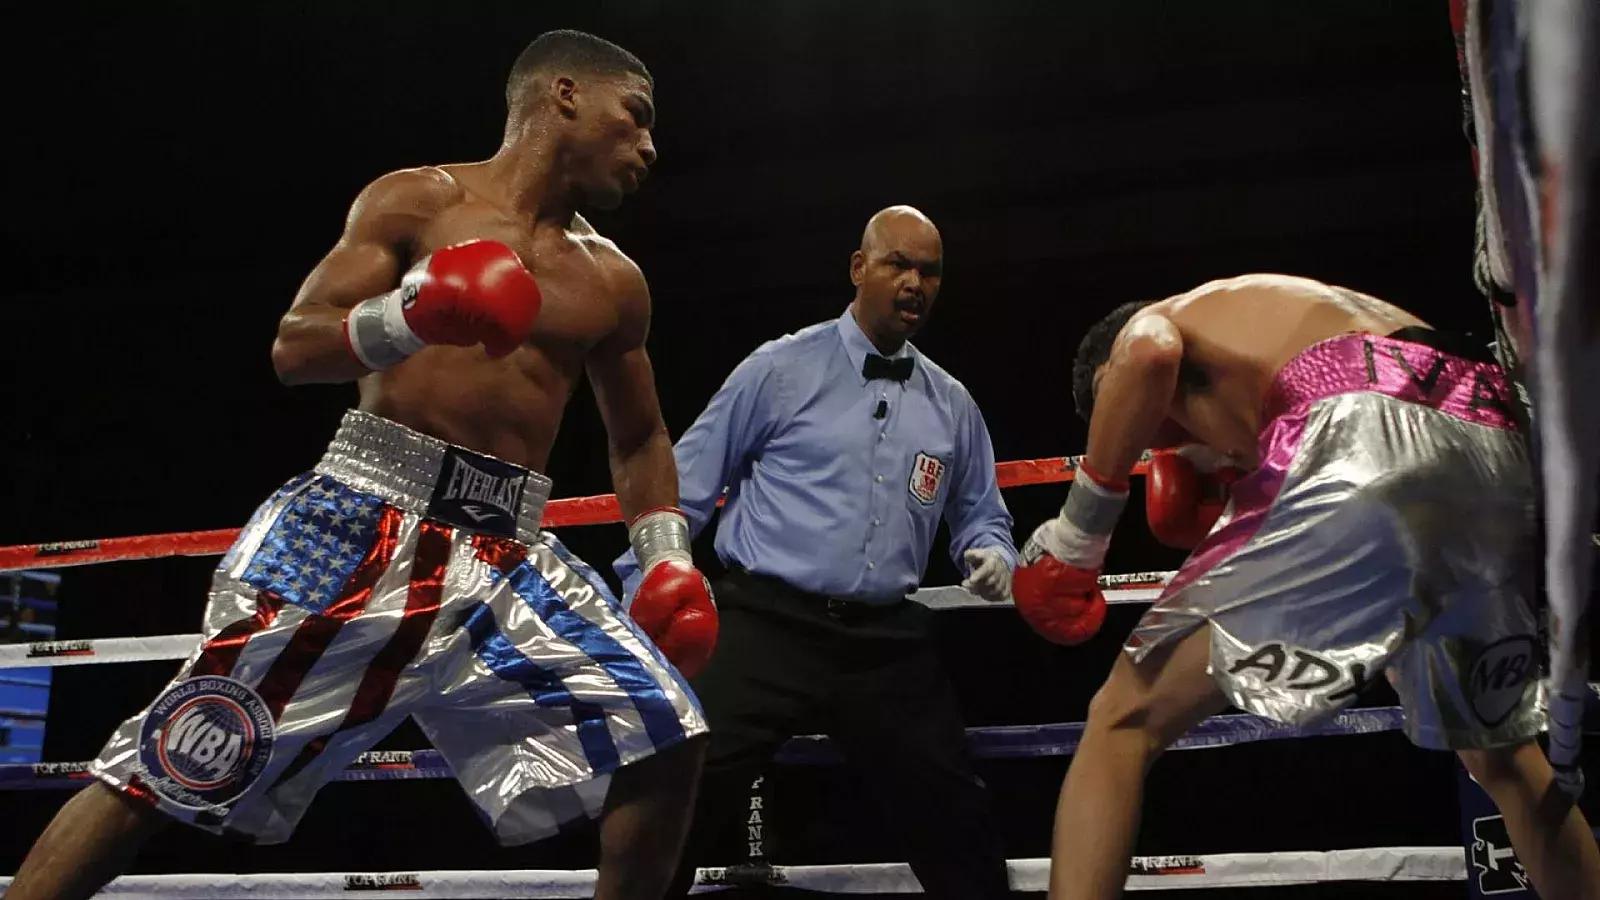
{"points": [[1417, 373]]}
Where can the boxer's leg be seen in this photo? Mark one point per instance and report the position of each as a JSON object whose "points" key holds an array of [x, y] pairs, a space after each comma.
{"points": [[1142, 708], [96, 835], [89, 842], [646, 820], [1548, 831], [553, 707]]}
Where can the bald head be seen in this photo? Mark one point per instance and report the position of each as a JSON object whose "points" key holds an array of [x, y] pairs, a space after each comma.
{"points": [[897, 225], [896, 273]]}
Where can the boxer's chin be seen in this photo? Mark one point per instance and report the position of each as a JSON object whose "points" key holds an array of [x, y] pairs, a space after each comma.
{"points": [[606, 198], [604, 194]]}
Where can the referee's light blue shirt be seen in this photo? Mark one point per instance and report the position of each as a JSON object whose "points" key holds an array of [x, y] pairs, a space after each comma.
{"points": [[823, 494]]}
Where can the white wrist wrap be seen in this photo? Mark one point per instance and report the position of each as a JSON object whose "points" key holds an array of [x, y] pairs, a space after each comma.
{"points": [[660, 535], [1071, 544], [1081, 533], [378, 333], [1092, 507]]}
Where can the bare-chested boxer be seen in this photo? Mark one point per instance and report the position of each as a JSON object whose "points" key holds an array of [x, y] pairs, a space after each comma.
{"points": [[405, 574], [1383, 525]]}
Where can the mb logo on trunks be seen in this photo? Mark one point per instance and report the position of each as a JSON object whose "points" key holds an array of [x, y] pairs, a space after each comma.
{"points": [[205, 741], [1499, 677], [926, 474], [478, 493], [1499, 872]]}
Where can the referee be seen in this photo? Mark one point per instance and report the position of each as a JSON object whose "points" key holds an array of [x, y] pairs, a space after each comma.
{"points": [[841, 447]]}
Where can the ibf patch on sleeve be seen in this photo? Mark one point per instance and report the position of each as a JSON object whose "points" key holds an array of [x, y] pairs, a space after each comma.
{"points": [[927, 473], [478, 493]]}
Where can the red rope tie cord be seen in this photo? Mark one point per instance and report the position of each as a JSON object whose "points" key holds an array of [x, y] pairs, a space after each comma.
{"points": [[597, 510]]}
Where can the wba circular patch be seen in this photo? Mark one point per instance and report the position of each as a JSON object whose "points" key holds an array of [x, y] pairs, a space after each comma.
{"points": [[206, 741]]}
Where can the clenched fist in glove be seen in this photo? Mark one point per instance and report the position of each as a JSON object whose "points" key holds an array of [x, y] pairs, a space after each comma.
{"points": [[1057, 582], [477, 292], [673, 603], [1187, 490]]}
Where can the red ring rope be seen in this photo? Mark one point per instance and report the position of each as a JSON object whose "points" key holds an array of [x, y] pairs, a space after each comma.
{"points": [[597, 510]]}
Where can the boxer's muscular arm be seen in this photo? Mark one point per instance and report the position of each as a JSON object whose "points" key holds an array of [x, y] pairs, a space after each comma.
{"points": [[1135, 395], [643, 471], [369, 259]]}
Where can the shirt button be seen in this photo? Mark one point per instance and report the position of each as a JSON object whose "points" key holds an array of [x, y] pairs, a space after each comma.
{"points": [[883, 435], [876, 523], [879, 479], [871, 564]]}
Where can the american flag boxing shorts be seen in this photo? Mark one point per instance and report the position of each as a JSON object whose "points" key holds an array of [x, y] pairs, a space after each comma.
{"points": [[402, 576]]}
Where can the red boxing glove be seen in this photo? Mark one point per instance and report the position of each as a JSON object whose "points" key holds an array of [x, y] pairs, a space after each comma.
{"points": [[1056, 586], [1186, 492], [673, 603], [476, 292], [1063, 603]]}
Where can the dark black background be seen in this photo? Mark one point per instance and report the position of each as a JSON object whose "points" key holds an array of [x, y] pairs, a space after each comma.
{"points": [[177, 170]]}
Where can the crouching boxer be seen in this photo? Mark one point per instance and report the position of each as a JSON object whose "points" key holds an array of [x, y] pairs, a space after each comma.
{"points": [[1383, 525], [405, 573]]}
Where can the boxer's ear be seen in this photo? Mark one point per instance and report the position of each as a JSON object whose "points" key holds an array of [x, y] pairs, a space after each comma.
{"points": [[564, 94]]}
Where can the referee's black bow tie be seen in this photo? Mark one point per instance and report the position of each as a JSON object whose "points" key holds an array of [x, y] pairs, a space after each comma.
{"points": [[877, 366]]}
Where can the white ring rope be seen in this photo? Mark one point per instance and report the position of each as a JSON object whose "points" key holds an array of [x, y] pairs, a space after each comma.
{"points": [[180, 646], [99, 650], [1392, 864]]}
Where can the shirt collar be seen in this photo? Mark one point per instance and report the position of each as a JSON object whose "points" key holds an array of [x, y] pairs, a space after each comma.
{"points": [[857, 345]]}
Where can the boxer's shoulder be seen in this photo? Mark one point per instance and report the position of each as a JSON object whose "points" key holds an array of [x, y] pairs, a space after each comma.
{"points": [[618, 273], [422, 191], [396, 207], [615, 297]]}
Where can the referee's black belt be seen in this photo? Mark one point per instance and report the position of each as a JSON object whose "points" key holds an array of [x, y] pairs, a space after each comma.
{"points": [[846, 609]]}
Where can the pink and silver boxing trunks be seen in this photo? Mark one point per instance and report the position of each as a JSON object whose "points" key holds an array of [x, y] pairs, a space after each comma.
{"points": [[402, 576], [1390, 529]]}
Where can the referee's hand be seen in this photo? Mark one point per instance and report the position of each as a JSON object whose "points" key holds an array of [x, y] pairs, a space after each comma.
{"points": [[988, 575]]}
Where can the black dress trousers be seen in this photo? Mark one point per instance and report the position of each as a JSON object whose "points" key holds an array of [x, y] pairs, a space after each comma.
{"points": [[869, 677]]}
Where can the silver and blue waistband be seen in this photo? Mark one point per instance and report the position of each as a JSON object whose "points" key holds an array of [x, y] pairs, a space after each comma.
{"points": [[430, 477]]}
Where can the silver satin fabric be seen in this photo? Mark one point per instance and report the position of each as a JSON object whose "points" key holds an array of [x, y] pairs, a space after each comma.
{"points": [[524, 673], [1400, 543]]}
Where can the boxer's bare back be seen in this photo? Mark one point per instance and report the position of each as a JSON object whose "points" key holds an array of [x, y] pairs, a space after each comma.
{"points": [[1237, 333]]}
